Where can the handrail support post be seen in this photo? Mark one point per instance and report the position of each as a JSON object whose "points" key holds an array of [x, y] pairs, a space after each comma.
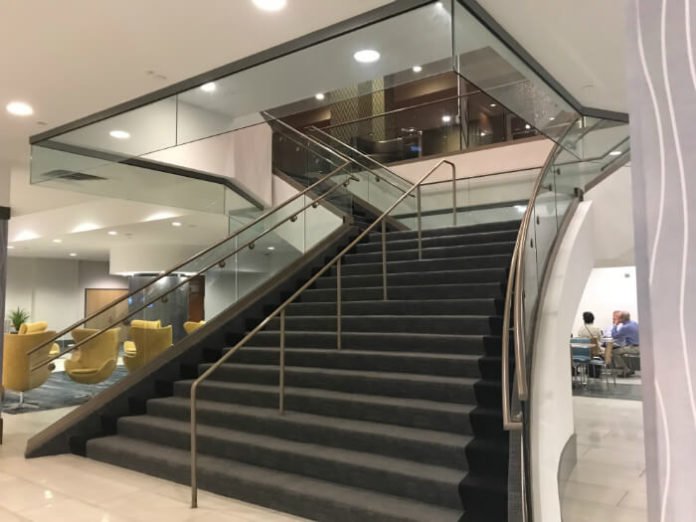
{"points": [[384, 259], [454, 194], [420, 225], [281, 383]]}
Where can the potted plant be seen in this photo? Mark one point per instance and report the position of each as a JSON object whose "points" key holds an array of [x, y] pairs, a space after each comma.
{"points": [[18, 317]]}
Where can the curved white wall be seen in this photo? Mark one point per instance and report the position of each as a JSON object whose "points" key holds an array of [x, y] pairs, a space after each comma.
{"points": [[551, 395]]}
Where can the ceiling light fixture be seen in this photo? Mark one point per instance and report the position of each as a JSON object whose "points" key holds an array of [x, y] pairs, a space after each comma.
{"points": [[26, 235], [551, 118], [417, 68], [493, 105], [57, 240], [440, 5], [18, 108], [73, 254], [85, 227], [119, 134], [483, 134], [112, 233], [271, 248], [446, 118], [527, 126], [615, 153], [176, 223], [366, 56], [319, 96], [270, 5], [209, 87]]}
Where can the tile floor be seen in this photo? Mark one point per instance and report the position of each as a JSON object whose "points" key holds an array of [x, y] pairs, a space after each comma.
{"points": [[608, 482], [75, 489]]}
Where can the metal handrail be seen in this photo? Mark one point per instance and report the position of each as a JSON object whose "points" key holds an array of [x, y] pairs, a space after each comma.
{"points": [[515, 282], [189, 260], [280, 310], [314, 128]]}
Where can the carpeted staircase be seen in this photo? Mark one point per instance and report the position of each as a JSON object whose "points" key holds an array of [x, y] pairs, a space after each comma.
{"points": [[403, 423]]}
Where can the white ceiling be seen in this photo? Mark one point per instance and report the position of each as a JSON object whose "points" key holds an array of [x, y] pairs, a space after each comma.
{"points": [[581, 43], [72, 58]]}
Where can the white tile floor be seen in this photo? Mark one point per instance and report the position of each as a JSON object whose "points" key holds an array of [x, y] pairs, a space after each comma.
{"points": [[75, 489], [608, 482]]}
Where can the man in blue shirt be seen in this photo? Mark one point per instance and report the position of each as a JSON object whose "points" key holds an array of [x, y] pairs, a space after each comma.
{"points": [[626, 341]]}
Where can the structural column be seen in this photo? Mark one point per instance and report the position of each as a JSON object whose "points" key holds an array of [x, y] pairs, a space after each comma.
{"points": [[662, 86]]}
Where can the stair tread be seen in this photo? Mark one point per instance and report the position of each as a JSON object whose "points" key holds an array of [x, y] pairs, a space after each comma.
{"points": [[395, 355], [447, 236], [392, 430], [408, 301], [402, 274], [448, 259], [389, 334], [451, 407], [347, 496], [391, 316], [414, 377], [339, 455]]}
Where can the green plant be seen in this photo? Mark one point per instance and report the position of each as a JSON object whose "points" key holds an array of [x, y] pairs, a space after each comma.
{"points": [[18, 317]]}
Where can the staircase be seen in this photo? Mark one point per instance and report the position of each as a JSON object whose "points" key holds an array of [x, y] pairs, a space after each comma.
{"points": [[402, 424]]}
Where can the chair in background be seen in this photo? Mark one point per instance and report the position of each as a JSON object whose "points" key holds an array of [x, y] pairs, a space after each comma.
{"points": [[148, 340], [581, 356], [192, 326], [38, 326], [17, 363], [95, 360]]}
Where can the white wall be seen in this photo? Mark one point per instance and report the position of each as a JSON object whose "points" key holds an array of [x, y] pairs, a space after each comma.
{"points": [[551, 396], [53, 290], [608, 289], [5, 176]]}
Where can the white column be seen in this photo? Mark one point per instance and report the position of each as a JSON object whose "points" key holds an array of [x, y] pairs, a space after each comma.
{"points": [[662, 87]]}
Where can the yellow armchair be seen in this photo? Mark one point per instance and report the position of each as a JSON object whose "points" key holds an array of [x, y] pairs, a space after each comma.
{"points": [[192, 326], [38, 326], [147, 342], [95, 360], [17, 363]]}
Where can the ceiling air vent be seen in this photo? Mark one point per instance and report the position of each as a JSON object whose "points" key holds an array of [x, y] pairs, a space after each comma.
{"points": [[70, 175]]}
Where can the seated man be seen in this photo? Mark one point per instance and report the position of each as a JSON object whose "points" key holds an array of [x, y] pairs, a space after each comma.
{"points": [[626, 341]]}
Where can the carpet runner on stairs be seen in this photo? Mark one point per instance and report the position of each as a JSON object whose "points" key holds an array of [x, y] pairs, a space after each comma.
{"points": [[403, 424]]}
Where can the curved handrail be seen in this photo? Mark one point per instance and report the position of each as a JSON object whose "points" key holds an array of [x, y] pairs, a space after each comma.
{"points": [[281, 310], [186, 262], [314, 128], [515, 282]]}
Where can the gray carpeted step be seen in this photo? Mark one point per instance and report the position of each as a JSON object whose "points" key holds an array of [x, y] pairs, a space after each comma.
{"points": [[385, 341], [420, 445], [426, 483], [391, 384], [473, 275], [452, 365], [422, 307], [443, 292], [448, 231], [454, 324], [315, 499], [439, 241], [451, 263], [414, 413], [480, 249]]}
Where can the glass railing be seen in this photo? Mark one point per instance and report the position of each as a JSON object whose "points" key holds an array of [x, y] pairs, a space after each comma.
{"points": [[435, 128], [141, 326], [587, 152]]}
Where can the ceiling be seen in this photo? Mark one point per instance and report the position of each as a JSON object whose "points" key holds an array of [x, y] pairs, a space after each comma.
{"points": [[580, 43], [72, 58]]}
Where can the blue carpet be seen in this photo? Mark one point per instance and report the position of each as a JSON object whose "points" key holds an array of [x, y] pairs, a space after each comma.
{"points": [[60, 391]]}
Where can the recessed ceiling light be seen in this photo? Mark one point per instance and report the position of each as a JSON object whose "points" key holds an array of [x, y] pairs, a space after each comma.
{"points": [[366, 56], [483, 134], [73, 254], [271, 248], [551, 118], [119, 134], [446, 118], [615, 153], [18, 108], [270, 5], [319, 96], [417, 68], [209, 87], [112, 233], [57, 240], [440, 5], [527, 126], [493, 105], [176, 223]]}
